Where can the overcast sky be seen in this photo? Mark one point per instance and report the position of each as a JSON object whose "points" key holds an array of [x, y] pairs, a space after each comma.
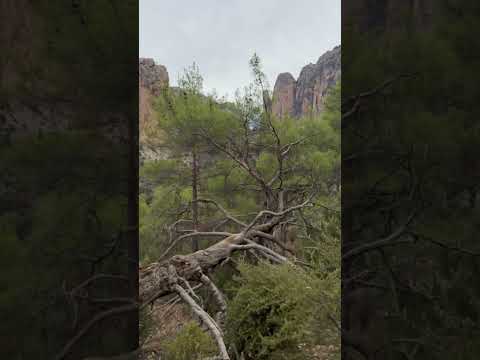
{"points": [[221, 35]]}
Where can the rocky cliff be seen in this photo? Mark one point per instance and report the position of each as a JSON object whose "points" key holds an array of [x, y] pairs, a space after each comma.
{"points": [[152, 78], [307, 93]]}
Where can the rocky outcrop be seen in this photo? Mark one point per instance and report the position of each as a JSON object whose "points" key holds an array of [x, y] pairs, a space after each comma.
{"points": [[152, 76], [284, 95], [152, 79], [307, 94]]}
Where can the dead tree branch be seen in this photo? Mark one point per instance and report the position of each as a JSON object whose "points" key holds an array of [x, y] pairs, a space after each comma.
{"points": [[202, 314], [220, 299]]}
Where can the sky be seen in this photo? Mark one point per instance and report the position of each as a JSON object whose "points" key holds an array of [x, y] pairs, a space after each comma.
{"points": [[221, 36]]}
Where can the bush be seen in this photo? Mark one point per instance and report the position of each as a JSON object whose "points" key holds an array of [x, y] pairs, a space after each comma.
{"points": [[191, 343], [270, 314]]}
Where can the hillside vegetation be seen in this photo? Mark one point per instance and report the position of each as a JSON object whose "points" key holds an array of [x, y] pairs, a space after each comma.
{"points": [[240, 227]]}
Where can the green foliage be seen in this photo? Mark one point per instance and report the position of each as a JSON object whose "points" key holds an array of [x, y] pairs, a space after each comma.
{"points": [[192, 80], [268, 312], [322, 239], [182, 116], [192, 343], [259, 76], [185, 113], [155, 214], [275, 309], [272, 309]]}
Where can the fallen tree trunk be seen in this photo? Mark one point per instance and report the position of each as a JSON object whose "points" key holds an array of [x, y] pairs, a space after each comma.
{"points": [[153, 282], [163, 278]]}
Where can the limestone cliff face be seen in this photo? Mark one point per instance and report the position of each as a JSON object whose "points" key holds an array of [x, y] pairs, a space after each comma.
{"points": [[315, 80], [307, 93], [152, 78]]}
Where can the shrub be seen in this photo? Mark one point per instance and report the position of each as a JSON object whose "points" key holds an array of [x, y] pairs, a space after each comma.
{"points": [[270, 313], [191, 343]]}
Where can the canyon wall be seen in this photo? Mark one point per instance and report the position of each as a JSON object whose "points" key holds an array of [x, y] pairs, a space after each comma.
{"points": [[307, 94]]}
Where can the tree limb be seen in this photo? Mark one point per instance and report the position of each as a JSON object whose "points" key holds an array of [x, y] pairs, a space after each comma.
{"points": [[192, 234], [202, 314]]}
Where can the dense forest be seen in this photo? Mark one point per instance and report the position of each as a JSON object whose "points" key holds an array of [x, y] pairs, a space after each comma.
{"points": [[240, 227]]}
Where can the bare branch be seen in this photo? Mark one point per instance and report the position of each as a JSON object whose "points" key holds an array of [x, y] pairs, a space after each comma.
{"points": [[272, 255], [242, 162], [220, 318], [277, 214], [260, 249], [203, 315], [225, 212], [271, 238]]}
